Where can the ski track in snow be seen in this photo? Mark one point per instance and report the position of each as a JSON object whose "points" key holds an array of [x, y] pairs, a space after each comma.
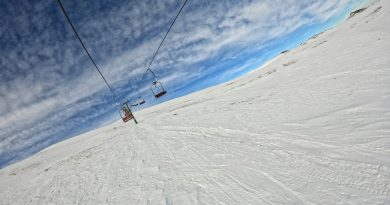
{"points": [[311, 127]]}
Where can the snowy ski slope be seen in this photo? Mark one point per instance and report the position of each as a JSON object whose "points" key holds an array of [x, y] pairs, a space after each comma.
{"points": [[311, 127]]}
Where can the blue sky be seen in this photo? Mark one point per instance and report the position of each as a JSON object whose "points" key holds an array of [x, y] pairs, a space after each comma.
{"points": [[49, 90]]}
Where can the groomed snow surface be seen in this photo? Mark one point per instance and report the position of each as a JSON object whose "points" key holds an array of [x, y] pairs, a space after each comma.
{"points": [[311, 127]]}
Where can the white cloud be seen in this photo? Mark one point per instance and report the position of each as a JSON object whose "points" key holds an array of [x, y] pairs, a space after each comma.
{"points": [[46, 71]]}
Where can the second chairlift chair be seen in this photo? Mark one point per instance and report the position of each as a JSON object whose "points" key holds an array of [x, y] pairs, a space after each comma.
{"points": [[125, 113], [140, 100], [156, 87]]}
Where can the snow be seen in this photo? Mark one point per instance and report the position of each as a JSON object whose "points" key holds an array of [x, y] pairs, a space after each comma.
{"points": [[311, 127]]}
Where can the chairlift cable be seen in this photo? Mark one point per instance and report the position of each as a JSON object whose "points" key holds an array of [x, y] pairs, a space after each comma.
{"points": [[166, 34], [161, 43], [85, 48]]}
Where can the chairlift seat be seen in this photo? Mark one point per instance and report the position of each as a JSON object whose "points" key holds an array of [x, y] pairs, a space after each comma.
{"points": [[127, 118], [157, 95]]}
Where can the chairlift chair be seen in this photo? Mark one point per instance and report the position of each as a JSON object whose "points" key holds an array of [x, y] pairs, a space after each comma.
{"points": [[138, 101], [126, 113], [157, 89], [141, 100]]}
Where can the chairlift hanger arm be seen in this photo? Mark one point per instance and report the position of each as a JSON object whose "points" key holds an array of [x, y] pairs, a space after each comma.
{"points": [[154, 75]]}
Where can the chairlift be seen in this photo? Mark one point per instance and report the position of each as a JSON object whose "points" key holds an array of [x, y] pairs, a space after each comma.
{"points": [[156, 87], [126, 113], [140, 100]]}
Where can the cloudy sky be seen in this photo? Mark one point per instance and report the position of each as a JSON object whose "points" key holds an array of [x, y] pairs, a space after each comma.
{"points": [[49, 90]]}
